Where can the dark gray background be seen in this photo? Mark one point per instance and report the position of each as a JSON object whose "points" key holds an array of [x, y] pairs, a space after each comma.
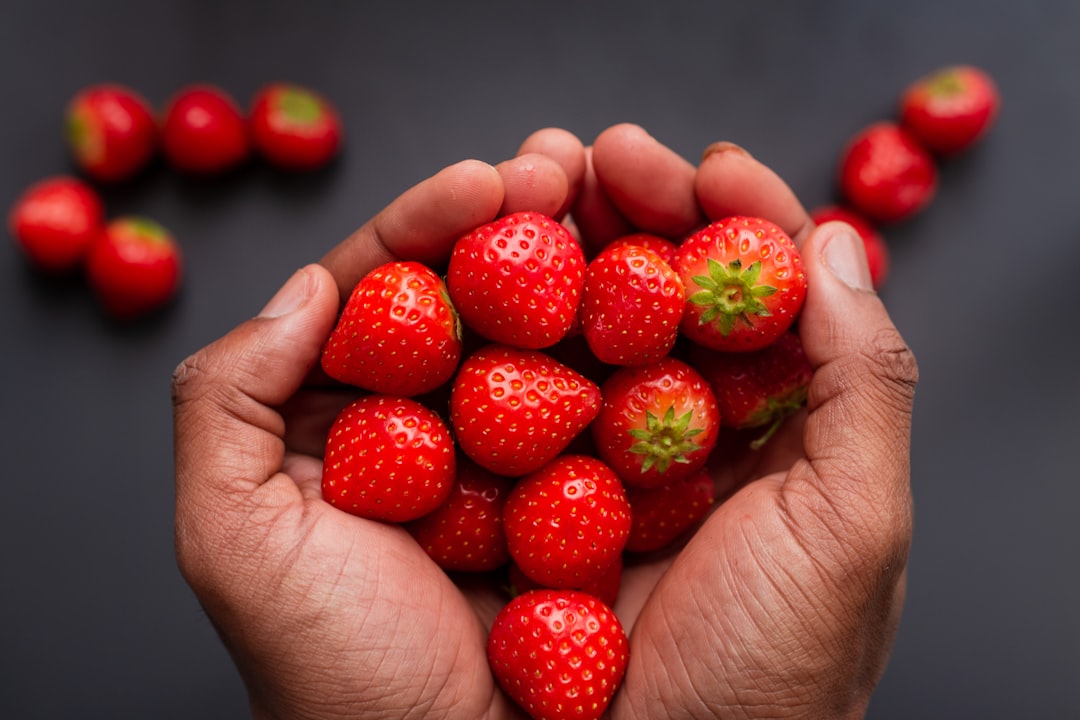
{"points": [[96, 621]]}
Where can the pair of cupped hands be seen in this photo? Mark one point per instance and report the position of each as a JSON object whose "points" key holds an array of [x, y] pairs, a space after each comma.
{"points": [[784, 603]]}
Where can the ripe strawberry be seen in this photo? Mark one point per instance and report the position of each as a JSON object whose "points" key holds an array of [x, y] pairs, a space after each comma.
{"points": [[204, 132], [111, 132], [465, 533], [744, 283], [604, 586], [659, 245], [558, 654], [877, 251], [55, 221], [295, 127], [950, 109], [662, 514], [134, 267], [631, 306], [388, 458], [760, 389], [658, 423], [514, 410], [398, 333], [517, 280], [886, 174], [567, 521]]}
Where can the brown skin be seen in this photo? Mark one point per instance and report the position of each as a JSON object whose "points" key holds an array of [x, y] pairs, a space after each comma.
{"points": [[784, 603]]}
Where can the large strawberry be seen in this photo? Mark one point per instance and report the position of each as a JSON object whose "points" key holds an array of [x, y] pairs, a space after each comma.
{"points": [[658, 423], [398, 333], [950, 109], [56, 221], [517, 280], [134, 267], [662, 514], [559, 654], [514, 410], [887, 174], [567, 522], [388, 458], [744, 282]]}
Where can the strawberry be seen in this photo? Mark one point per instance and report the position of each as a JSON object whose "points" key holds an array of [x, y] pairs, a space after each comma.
{"points": [[294, 127], [658, 423], [388, 458], [659, 245], [558, 654], [517, 280], [134, 267], [951, 109], [604, 585], [877, 251], [204, 132], [111, 132], [631, 305], [398, 333], [760, 389], [662, 514], [514, 410], [886, 174], [465, 533], [744, 283], [55, 222], [567, 521]]}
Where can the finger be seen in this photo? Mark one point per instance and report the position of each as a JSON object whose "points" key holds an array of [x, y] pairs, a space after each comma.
{"points": [[650, 184], [730, 181], [567, 150], [533, 182], [596, 217]]}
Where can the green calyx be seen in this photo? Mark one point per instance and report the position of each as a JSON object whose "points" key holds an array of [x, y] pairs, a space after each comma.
{"points": [[664, 440], [300, 106], [730, 293], [775, 411]]}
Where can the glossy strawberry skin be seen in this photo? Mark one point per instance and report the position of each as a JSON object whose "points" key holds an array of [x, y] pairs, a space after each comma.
{"points": [[56, 221], [514, 410], [134, 267], [111, 132], [658, 423], [558, 654], [886, 174], [877, 250], [662, 514], [660, 245], [294, 127], [951, 109], [631, 305], [517, 280], [204, 132], [744, 282], [388, 458], [604, 585], [398, 333], [567, 522]]}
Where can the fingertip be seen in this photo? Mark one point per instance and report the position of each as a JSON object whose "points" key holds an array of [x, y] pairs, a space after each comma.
{"points": [[566, 149], [535, 182]]}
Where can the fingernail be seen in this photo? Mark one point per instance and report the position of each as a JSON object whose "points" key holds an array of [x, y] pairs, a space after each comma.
{"points": [[290, 297], [724, 146], [845, 254]]}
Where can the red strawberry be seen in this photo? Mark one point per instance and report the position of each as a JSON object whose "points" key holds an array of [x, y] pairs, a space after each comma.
{"points": [[950, 109], [744, 283], [294, 127], [760, 389], [398, 333], [877, 251], [55, 221], [604, 586], [517, 280], [658, 423], [659, 245], [465, 533], [134, 267], [204, 132], [388, 458], [514, 410], [111, 132], [886, 174], [631, 306], [558, 654], [567, 521], [662, 514]]}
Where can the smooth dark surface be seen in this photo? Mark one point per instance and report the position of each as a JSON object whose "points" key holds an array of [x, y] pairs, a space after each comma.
{"points": [[96, 619]]}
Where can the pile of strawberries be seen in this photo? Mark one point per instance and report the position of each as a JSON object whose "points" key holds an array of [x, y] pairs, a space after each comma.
{"points": [[132, 263]]}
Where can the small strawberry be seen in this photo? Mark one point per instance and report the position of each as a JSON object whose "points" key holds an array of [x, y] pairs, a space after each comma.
{"points": [[886, 174], [134, 267], [662, 514], [514, 410], [558, 654], [951, 109], [760, 389], [567, 521], [111, 132], [56, 221], [388, 458], [204, 132], [658, 423], [631, 305], [659, 245], [517, 280], [398, 333], [877, 251], [294, 127], [465, 533], [604, 585], [744, 282]]}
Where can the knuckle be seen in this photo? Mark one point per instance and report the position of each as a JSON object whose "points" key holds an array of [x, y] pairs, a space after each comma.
{"points": [[892, 361]]}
